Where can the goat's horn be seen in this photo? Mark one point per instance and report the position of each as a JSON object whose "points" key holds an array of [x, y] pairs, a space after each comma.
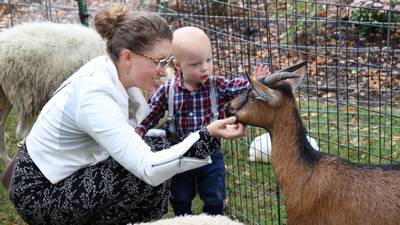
{"points": [[269, 97], [278, 77], [294, 67]]}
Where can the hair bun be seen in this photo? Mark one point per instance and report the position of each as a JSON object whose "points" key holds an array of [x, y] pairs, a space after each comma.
{"points": [[117, 14], [106, 21]]}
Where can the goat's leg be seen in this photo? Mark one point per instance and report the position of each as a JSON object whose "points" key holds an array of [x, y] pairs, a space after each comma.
{"points": [[4, 112], [24, 126]]}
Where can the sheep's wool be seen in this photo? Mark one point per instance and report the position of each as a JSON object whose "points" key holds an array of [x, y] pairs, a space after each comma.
{"points": [[37, 57], [195, 220]]}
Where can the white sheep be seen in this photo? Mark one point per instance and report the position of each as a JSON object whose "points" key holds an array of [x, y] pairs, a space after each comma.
{"points": [[260, 148], [201, 219], [35, 58]]}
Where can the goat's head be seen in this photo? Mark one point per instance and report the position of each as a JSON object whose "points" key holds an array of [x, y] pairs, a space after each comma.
{"points": [[265, 97]]}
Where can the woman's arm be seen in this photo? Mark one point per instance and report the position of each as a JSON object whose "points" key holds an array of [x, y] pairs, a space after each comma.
{"points": [[209, 136], [101, 117]]}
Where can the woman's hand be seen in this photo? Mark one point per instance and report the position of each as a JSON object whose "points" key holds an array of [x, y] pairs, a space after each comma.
{"points": [[227, 129]]}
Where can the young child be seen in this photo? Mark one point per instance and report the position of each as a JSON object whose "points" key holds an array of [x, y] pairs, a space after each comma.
{"points": [[193, 93]]}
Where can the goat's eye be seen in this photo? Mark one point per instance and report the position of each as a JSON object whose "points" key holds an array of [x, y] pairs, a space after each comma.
{"points": [[254, 95]]}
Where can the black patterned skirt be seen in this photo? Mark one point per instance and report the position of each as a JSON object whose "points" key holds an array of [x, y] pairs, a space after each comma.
{"points": [[105, 193]]}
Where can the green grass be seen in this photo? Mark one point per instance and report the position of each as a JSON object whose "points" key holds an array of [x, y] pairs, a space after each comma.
{"points": [[356, 133], [251, 187], [8, 215], [253, 196]]}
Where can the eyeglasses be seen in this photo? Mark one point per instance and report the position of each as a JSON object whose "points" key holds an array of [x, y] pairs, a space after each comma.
{"points": [[160, 63]]}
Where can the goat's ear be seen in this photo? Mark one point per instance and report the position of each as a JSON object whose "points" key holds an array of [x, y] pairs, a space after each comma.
{"points": [[296, 82], [299, 68], [252, 80]]}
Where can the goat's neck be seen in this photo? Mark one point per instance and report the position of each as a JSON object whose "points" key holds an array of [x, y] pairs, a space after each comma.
{"points": [[286, 156]]}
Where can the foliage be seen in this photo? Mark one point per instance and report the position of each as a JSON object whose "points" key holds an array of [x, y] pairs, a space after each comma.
{"points": [[375, 16], [303, 14], [219, 7]]}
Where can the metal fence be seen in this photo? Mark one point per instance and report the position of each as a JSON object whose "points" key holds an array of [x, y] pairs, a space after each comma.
{"points": [[349, 99], [13, 12]]}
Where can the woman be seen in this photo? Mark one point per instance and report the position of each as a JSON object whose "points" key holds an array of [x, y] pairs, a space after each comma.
{"points": [[82, 162]]}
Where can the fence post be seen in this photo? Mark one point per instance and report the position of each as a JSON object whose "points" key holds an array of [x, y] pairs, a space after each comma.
{"points": [[83, 13], [163, 6]]}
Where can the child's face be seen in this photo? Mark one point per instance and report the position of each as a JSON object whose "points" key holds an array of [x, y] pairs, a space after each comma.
{"points": [[195, 63]]}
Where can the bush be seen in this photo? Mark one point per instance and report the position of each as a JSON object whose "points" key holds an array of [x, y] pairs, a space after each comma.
{"points": [[380, 14]]}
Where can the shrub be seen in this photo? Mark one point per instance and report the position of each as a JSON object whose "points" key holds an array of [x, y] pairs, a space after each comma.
{"points": [[380, 14]]}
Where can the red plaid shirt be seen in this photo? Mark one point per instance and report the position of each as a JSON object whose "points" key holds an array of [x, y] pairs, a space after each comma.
{"points": [[192, 109]]}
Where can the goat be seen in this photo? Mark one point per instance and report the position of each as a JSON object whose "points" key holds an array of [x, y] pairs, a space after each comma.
{"points": [[319, 188]]}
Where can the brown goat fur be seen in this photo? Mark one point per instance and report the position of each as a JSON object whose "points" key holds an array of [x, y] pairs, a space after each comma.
{"points": [[319, 188]]}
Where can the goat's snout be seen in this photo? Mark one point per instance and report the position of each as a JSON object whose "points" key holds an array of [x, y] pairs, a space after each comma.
{"points": [[229, 110]]}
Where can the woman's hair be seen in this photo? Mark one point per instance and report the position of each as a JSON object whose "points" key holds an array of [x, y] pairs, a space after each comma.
{"points": [[136, 31]]}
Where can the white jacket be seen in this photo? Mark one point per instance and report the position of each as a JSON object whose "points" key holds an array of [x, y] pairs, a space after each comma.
{"points": [[86, 121]]}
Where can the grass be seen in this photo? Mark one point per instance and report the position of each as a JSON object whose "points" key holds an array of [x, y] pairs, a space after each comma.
{"points": [[357, 133], [365, 135], [8, 215], [252, 191]]}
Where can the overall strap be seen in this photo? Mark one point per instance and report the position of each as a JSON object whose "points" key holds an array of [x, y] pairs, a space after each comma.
{"points": [[213, 98], [171, 98], [171, 126]]}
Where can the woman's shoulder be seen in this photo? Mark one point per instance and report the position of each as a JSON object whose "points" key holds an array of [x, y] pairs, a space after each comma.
{"points": [[98, 75], [98, 71]]}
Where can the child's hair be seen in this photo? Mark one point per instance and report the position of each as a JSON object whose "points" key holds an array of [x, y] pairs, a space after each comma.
{"points": [[136, 31]]}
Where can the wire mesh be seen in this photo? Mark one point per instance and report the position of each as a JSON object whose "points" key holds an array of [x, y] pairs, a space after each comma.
{"points": [[13, 12], [349, 97]]}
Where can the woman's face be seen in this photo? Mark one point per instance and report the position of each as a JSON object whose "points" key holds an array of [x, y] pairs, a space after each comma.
{"points": [[145, 70]]}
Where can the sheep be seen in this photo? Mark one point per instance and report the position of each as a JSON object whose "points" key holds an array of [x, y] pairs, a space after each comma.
{"points": [[35, 58], [319, 188], [201, 219], [260, 148]]}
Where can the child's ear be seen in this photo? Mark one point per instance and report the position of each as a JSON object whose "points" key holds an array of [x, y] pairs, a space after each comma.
{"points": [[177, 65]]}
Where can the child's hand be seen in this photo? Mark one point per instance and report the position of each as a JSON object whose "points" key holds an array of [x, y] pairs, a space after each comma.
{"points": [[261, 71], [139, 131]]}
